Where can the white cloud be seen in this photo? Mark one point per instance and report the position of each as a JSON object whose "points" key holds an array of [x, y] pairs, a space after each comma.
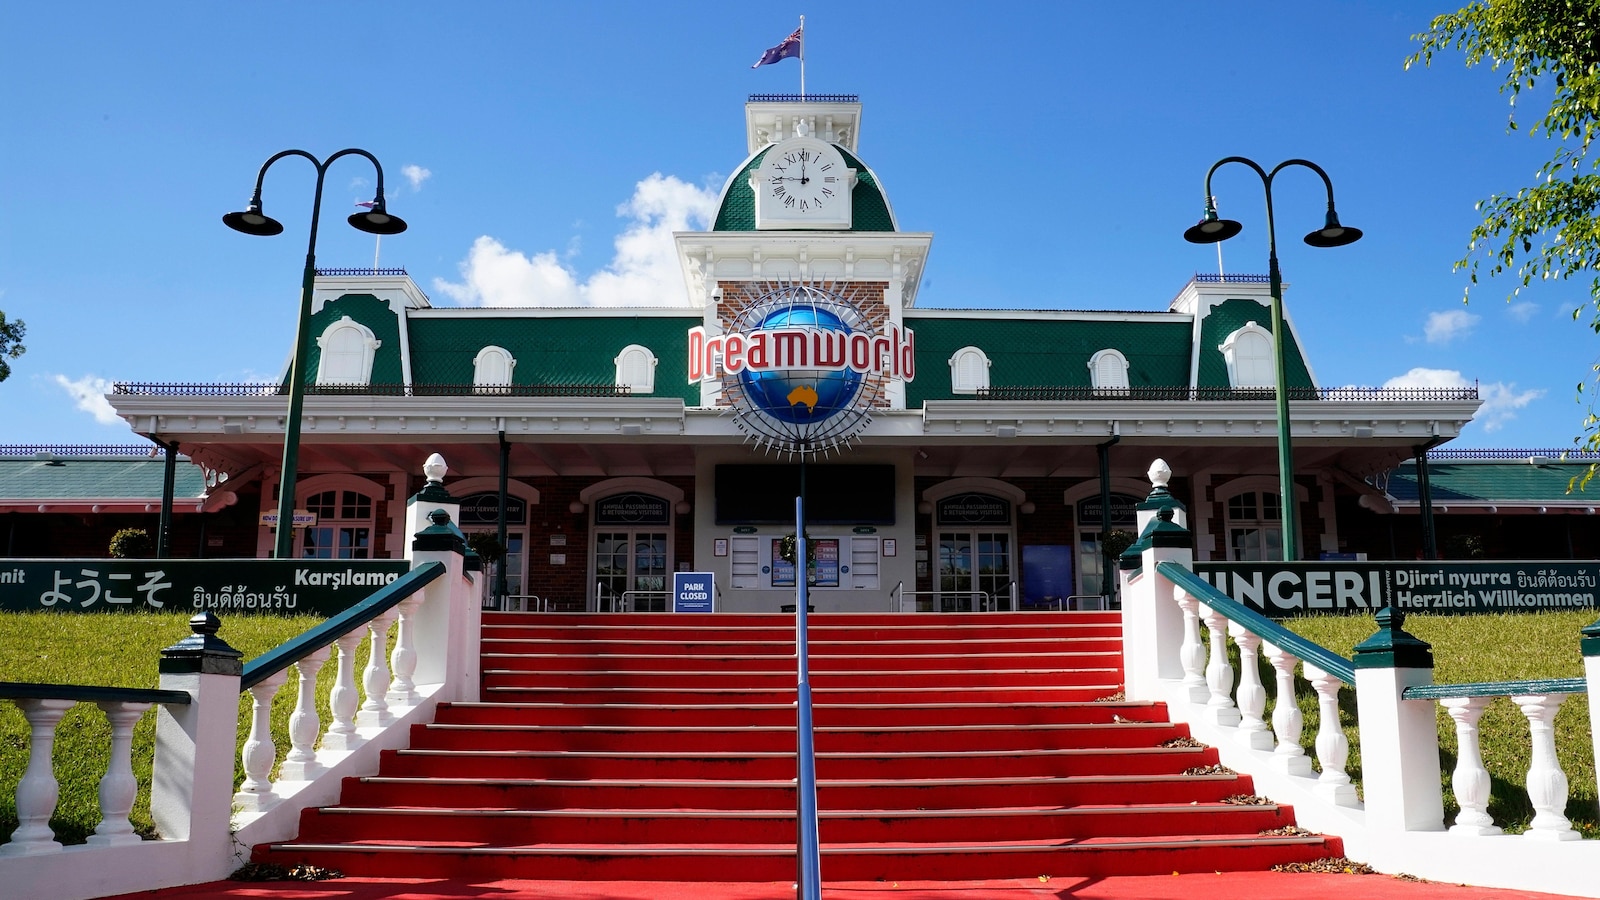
{"points": [[1501, 401], [1444, 327], [416, 175], [88, 394], [643, 272], [1523, 312]]}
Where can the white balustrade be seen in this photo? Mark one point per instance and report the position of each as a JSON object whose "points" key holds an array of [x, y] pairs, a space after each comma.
{"points": [[1288, 756], [375, 678], [1547, 784], [304, 725], [1192, 653], [255, 792], [344, 698], [1470, 781], [38, 790], [1219, 675], [1333, 748], [403, 662], [118, 787], [1252, 696]]}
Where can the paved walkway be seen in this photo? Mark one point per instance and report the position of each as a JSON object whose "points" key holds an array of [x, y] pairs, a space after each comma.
{"points": [[1232, 886]]}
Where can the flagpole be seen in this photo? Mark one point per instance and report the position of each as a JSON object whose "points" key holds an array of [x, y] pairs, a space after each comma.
{"points": [[802, 59], [376, 248]]}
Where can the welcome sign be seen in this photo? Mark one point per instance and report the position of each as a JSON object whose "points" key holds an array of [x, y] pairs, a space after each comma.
{"points": [[1283, 590], [315, 587]]}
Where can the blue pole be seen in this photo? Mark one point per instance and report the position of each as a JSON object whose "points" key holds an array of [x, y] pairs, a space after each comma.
{"points": [[809, 859]]}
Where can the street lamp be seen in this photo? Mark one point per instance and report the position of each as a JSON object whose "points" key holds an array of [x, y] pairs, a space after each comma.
{"points": [[1210, 230], [252, 220]]}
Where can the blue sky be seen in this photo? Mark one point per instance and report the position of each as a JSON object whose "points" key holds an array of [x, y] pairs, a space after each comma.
{"points": [[546, 150]]}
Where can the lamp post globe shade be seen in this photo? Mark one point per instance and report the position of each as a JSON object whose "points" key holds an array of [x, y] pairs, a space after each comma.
{"points": [[1211, 230], [253, 221], [377, 221], [1335, 235]]}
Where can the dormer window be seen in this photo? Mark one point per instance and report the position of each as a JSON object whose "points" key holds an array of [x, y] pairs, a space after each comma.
{"points": [[969, 371], [347, 350], [1248, 353], [636, 369], [491, 371], [1108, 370]]}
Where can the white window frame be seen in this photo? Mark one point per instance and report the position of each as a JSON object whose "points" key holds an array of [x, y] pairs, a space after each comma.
{"points": [[353, 366], [485, 378], [635, 357], [965, 376], [1241, 339], [1119, 379]]}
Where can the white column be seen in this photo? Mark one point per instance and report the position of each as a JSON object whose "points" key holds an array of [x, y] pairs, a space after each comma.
{"points": [[344, 698], [1191, 653], [38, 790], [1219, 675], [375, 679], [1470, 781], [255, 792], [1547, 784], [1333, 748], [403, 662], [304, 725], [1288, 756], [1253, 731], [118, 788], [1399, 751]]}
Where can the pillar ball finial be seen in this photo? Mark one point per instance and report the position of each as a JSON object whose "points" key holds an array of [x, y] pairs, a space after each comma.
{"points": [[435, 468], [1160, 473]]}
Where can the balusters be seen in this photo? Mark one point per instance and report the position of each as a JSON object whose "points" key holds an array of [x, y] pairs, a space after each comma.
{"points": [[375, 678], [304, 725], [1219, 675], [1333, 748], [1192, 654], [1288, 757], [1547, 784], [118, 787], [1253, 732], [403, 662], [38, 790], [255, 792], [1470, 781], [344, 697]]}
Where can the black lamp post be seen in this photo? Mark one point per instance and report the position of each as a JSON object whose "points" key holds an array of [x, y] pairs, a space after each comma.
{"points": [[1210, 230], [376, 220]]}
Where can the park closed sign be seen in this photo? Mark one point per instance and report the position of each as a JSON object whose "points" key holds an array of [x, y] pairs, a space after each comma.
{"points": [[1283, 590], [308, 587]]}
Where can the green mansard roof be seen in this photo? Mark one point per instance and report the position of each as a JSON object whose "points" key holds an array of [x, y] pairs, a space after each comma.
{"points": [[737, 210]]}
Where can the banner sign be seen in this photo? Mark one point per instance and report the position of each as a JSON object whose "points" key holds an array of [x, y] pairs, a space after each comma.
{"points": [[693, 591], [973, 509], [478, 510], [632, 509], [1282, 590], [1124, 513], [312, 587]]}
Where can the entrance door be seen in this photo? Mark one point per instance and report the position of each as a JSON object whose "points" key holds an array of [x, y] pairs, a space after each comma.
{"points": [[974, 571], [630, 571]]}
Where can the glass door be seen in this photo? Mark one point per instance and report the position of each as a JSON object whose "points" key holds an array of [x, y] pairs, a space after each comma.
{"points": [[974, 571], [630, 570]]}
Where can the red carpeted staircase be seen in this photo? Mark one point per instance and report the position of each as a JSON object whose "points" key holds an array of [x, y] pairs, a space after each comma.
{"points": [[662, 747]]}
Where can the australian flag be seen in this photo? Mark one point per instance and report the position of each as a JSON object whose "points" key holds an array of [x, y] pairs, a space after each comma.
{"points": [[789, 47]]}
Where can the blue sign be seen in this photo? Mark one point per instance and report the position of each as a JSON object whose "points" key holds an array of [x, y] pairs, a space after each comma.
{"points": [[694, 592]]}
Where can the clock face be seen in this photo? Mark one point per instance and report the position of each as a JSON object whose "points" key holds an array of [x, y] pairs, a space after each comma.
{"points": [[804, 181]]}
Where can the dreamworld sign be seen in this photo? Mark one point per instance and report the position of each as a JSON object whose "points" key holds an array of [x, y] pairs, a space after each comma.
{"points": [[801, 366]]}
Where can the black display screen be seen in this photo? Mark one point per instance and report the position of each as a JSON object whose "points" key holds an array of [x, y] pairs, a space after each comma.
{"points": [[835, 494]]}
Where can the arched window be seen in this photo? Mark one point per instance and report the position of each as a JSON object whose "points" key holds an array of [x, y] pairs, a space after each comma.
{"points": [[636, 369], [1255, 526], [344, 526], [1108, 369], [347, 350], [969, 371], [1248, 353], [491, 371]]}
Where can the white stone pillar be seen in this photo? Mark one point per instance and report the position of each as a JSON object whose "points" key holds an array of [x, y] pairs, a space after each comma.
{"points": [[1399, 738]]}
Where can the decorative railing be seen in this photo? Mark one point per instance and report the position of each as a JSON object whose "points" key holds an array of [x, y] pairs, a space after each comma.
{"points": [[43, 706], [1523, 455], [373, 390], [1396, 826], [1210, 394], [360, 272], [53, 450], [807, 98], [1209, 278]]}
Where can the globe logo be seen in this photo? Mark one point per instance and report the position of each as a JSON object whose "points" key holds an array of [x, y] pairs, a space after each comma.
{"points": [[802, 396]]}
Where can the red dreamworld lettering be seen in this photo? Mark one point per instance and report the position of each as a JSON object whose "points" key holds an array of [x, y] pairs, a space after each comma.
{"points": [[891, 352]]}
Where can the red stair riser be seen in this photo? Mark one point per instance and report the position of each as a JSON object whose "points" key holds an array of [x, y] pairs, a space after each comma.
{"points": [[645, 710], [682, 696], [1068, 664], [496, 646], [1108, 681]]}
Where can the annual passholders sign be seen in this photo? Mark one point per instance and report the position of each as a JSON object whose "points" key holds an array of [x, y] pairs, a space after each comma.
{"points": [[313, 587], [1282, 590]]}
